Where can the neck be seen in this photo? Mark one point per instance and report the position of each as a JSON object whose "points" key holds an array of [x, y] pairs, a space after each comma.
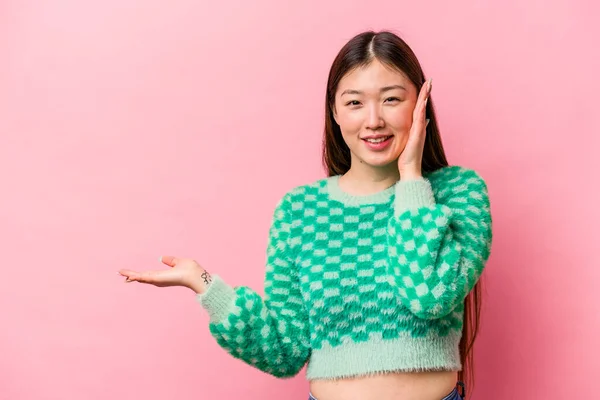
{"points": [[369, 180]]}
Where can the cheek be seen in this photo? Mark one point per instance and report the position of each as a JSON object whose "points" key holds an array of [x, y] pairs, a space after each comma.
{"points": [[401, 120], [350, 123]]}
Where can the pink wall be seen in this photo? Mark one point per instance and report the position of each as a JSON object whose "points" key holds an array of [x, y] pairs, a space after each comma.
{"points": [[131, 129]]}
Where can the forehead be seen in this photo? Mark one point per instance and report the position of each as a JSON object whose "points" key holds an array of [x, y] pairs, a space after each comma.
{"points": [[372, 77]]}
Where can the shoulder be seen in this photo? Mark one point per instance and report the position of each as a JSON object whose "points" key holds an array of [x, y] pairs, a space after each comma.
{"points": [[296, 197], [455, 180], [455, 174]]}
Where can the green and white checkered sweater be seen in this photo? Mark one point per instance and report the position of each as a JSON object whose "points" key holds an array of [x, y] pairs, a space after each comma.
{"points": [[360, 285]]}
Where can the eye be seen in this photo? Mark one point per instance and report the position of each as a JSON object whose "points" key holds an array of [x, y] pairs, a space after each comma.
{"points": [[353, 103], [392, 99]]}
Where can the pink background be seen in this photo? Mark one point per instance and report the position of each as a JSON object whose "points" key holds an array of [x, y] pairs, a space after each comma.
{"points": [[131, 129]]}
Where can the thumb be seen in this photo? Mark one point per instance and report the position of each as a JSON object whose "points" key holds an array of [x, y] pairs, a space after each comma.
{"points": [[169, 260]]}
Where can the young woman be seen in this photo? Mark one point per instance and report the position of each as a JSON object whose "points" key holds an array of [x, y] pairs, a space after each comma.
{"points": [[372, 273]]}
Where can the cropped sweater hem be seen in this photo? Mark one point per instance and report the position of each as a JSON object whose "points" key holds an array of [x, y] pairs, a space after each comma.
{"points": [[402, 354]]}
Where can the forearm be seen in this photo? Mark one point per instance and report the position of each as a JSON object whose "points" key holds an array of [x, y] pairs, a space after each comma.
{"points": [[269, 337], [439, 250]]}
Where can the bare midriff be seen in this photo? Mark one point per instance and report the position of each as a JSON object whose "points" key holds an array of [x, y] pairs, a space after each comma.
{"points": [[392, 386]]}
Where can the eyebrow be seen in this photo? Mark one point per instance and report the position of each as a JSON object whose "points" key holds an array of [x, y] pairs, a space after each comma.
{"points": [[383, 89]]}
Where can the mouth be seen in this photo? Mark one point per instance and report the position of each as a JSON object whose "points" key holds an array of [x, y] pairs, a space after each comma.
{"points": [[378, 143], [378, 139]]}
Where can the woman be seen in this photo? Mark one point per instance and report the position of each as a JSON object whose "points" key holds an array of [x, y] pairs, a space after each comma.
{"points": [[371, 271]]}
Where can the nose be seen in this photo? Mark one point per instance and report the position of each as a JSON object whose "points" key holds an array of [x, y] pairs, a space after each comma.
{"points": [[375, 119]]}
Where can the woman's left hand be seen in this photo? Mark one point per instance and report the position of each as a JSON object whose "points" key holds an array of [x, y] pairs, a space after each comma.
{"points": [[409, 162]]}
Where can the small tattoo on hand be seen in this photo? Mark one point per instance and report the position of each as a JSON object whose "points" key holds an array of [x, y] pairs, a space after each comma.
{"points": [[207, 278]]}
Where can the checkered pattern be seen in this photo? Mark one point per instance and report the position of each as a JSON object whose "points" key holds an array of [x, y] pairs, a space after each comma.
{"points": [[438, 252], [338, 274]]}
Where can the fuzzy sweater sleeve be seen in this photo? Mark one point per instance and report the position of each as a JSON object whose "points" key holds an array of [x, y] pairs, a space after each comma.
{"points": [[269, 333], [438, 248]]}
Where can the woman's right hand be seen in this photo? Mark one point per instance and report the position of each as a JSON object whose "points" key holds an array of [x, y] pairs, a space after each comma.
{"points": [[183, 272]]}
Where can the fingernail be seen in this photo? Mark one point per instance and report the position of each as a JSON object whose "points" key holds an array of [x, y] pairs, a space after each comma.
{"points": [[430, 83]]}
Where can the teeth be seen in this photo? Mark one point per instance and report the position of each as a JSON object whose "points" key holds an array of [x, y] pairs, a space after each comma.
{"points": [[378, 140]]}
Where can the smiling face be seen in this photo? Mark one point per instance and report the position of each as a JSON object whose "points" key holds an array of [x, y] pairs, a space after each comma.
{"points": [[374, 108]]}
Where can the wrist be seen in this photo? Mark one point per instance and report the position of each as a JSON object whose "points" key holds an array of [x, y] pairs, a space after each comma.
{"points": [[410, 175], [200, 282], [413, 194]]}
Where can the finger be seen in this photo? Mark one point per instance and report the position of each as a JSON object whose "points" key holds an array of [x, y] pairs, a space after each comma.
{"points": [[169, 260], [421, 104], [425, 90], [128, 274], [145, 277], [150, 277], [424, 108]]}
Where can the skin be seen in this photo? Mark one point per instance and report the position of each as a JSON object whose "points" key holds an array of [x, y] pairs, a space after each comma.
{"points": [[379, 100], [371, 100]]}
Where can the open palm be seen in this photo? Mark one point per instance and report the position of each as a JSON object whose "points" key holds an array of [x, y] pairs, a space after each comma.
{"points": [[182, 272]]}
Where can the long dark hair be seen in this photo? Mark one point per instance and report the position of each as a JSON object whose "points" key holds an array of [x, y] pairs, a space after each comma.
{"points": [[391, 50]]}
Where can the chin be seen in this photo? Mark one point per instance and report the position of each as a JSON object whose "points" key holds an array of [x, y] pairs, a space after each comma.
{"points": [[379, 162]]}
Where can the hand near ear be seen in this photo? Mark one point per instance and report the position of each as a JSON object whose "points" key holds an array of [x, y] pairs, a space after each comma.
{"points": [[409, 162]]}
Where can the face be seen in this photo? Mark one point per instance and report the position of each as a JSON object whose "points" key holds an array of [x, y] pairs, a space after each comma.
{"points": [[374, 108]]}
